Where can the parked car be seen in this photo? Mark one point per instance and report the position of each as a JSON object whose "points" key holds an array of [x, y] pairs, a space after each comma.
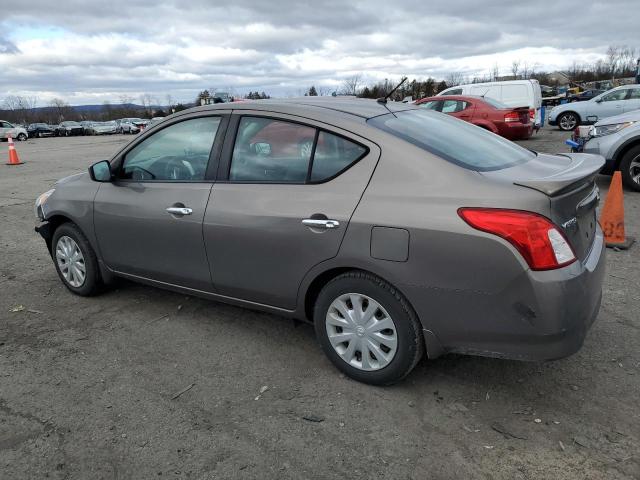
{"points": [[617, 139], [513, 93], [39, 130], [490, 114], [613, 102], [585, 95], [410, 231], [8, 129], [155, 120], [130, 125], [69, 128], [100, 128]]}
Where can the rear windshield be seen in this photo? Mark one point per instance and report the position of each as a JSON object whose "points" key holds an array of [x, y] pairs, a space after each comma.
{"points": [[494, 103], [454, 140]]}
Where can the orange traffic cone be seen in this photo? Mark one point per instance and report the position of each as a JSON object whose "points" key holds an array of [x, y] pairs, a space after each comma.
{"points": [[13, 155], [612, 216]]}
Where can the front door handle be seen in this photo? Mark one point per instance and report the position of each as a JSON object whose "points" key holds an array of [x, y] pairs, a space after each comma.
{"points": [[321, 223], [179, 210]]}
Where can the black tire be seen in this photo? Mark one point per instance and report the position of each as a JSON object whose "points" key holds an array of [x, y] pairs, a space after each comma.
{"points": [[568, 121], [410, 341], [630, 168], [92, 281], [22, 137]]}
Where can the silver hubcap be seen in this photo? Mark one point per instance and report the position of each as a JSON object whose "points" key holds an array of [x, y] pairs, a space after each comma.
{"points": [[634, 170], [361, 331], [70, 261], [568, 122]]}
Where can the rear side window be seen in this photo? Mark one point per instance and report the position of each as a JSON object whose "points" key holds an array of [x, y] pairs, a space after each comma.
{"points": [[268, 150], [453, 106], [333, 154], [275, 151], [458, 142]]}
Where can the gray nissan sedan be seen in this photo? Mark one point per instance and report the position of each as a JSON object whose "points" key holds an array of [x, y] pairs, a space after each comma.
{"points": [[395, 230]]}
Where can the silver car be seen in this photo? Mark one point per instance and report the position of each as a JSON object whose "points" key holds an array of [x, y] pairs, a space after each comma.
{"points": [[395, 230], [617, 139], [613, 102], [8, 129]]}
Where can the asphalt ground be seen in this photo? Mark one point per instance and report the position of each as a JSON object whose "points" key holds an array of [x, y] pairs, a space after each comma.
{"points": [[142, 383]]}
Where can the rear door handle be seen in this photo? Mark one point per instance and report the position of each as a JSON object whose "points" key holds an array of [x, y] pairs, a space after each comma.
{"points": [[321, 223], [179, 210]]}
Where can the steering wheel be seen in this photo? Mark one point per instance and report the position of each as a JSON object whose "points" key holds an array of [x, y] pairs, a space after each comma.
{"points": [[178, 169]]}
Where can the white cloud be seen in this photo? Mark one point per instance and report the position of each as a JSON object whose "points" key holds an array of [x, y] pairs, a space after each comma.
{"points": [[90, 52]]}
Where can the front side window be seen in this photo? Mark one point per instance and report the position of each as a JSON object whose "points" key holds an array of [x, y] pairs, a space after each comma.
{"points": [[432, 105], [179, 152], [613, 96], [455, 141]]}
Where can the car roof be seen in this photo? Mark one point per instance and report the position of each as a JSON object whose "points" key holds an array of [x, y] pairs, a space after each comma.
{"points": [[349, 106]]}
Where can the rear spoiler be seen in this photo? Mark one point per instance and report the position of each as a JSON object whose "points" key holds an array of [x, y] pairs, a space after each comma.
{"points": [[582, 169]]}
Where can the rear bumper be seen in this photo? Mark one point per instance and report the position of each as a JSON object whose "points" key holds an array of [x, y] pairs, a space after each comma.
{"points": [[541, 315], [516, 131]]}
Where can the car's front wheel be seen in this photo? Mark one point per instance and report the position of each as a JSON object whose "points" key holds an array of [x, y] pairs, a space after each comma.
{"points": [[22, 137], [368, 329], [568, 121], [75, 260], [630, 168]]}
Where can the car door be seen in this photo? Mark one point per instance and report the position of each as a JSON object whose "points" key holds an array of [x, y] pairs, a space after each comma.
{"points": [[282, 203], [633, 100], [5, 128], [608, 105], [148, 220]]}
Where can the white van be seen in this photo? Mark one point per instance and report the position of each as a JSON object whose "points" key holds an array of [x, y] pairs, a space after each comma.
{"points": [[513, 93]]}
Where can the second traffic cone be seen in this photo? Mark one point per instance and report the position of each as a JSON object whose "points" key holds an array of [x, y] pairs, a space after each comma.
{"points": [[612, 216], [13, 155]]}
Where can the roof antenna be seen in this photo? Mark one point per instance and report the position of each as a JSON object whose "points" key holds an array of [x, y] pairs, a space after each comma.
{"points": [[383, 100]]}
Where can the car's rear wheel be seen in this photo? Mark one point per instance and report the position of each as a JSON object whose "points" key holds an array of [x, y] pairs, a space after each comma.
{"points": [[630, 168], [368, 329], [568, 121], [75, 260]]}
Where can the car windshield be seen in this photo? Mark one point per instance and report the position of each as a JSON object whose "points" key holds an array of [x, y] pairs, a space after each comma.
{"points": [[456, 141], [70, 124]]}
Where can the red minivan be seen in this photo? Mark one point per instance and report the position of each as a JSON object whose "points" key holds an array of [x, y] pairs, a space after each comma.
{"points": [[508, 122]]}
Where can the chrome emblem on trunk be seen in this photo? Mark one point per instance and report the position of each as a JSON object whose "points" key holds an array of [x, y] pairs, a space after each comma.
{"points": [[571, 223]]}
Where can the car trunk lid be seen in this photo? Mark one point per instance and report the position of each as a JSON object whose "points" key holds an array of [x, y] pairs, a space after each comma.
{"points": [[569, 182]]}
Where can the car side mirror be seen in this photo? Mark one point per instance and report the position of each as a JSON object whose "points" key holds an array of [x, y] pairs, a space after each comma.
{"points": [[100, 171], [598, 100]]}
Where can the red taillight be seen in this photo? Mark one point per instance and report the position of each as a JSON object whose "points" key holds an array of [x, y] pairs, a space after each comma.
{"points": [[532, 114], [512, 117], [537, 239]]}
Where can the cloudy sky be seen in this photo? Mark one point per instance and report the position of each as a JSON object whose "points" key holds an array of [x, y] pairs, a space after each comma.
{"points": [[92, 51]]}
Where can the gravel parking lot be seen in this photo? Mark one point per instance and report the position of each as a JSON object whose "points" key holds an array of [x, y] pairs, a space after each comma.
{"points": [[144, 383]]}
